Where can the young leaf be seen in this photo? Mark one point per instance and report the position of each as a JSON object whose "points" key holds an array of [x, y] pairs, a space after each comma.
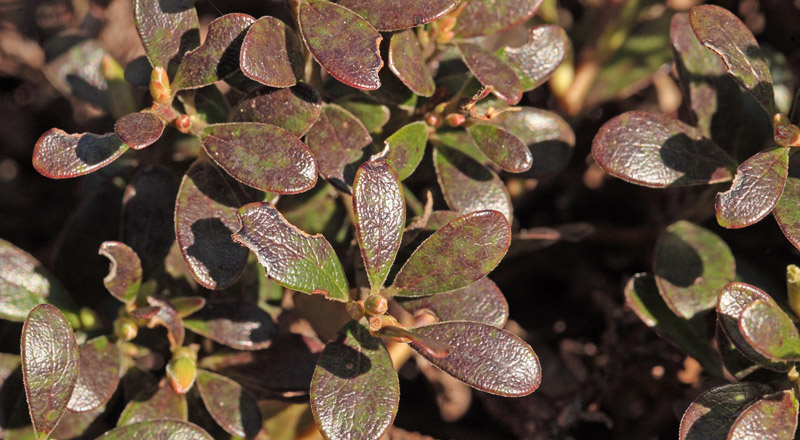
{"points": [[236, 324], [651, 149], [139, 130], [484, 357], [380, 215], [124, 273], [344, 44], [218, 57], [355, 390], [229, 404], [773, 417], [49, 366], [721, 31], [406, 148], [263, 156], [395, 15], [187, 305], [481, 301], [98, 375], [492, 72], [157, 429], [487, 17], [167, 28], [337, 139], [271, 53], [691, 265], [712, 413], [294, 109], [756, 189], [157, 402], [292, 258], [535, 61], [59, 155], [459, 253], [408, 63], [502, 147], [205, 218], [770, 331], [787, 211]]}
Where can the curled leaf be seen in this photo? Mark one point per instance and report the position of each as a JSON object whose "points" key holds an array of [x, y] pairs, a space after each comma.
{"points": [[238, 325], [770, 331], [407, 61], [98, 375], [124, 273], [167, 317], [712, 414], [295, 109], [535, 61], [271, 53], [59, 155], [139, 130], [229, 404]]}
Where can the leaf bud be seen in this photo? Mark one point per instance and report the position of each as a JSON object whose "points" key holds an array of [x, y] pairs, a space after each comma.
{"points": [[786, 133], [182, 370], [183, 123], [159, 86], [376, 305], [89, 318], [455, 119], [125, 328], [355, 309]]}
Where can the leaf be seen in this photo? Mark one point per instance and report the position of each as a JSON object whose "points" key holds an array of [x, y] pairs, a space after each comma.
{"points": [[292, 258], [773, 417], [230, 406], [651, 149], [481, 301], [210, 104], [342, 42], [721, 31], [787, 211], [271, 53], [124, 273], [167, 28], [295, 109], [691, 265], [218, 57], [74, 67], [337, 139], [59, 155], [431, 347], [487, 17], [770, 331], [407, 61], [372, 114], [395, 15], [49, 365], [81, 425], [205, 218], [406, 148], [236, 324], [139, 130], [492, 72], [166, 316], [484, 357], [98, 375], [459, 253], [355, 390], [262, 156], [756, 189], [502, 147], [157, 402], [187, 305], [25, 283], [535, 61], [157, 429], [712, 413]]}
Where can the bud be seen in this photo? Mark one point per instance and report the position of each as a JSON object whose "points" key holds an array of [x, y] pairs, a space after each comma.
{"points": [[125, 328], [433, 120], [355, 309], [183, 123], [159, 86], [455, 119], [786, 133], [376, 305], [793, 288], [89, 318], [182, 369]]}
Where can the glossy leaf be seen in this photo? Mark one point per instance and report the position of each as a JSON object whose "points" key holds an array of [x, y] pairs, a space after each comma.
{"points": [[395, 15], [355, 390], [756, 189], [712, 414], [59, 155], [337, 139], [372, 114], [407, 61], [295, 109], [502, 147], [49, 365], [459, 253], [74, 67], [344, 44], [124, 273], [481, 301], [167, 317], [230, 406], [157, 402], [263, 156], [406, 148], [487, 17], [535, 61], [484, 357], [167, 28], [139, 130], [549, 137], [691, 265], [291, 257], [238, 325], [492, 71], [651, 149], [721, 31], [271, 53], [787, 211], [770, 331], [430, 346], [773, 417], [205, 218], [157, 429], [98, 375]]}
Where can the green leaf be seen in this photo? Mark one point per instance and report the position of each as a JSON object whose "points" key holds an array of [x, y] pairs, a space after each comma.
{"points": [[124, 273], [156, 402], [380, 215], [295, 109], [492, 72], [481, 301], [337, 139], [229, 404], [372, 114], [787, 211], [484, 357], [395, 15], [272, 54], [721, 31], [712, 413], [691, 265], [98, 375], [756, 189], [139, 130], [157, 429], [59, 155], [406, 148], [49, 366], [773, 417], [291, 257], [238, 325], [355, 390], [502, 147], [535, 61], [262, 156], [187, 305], [487, 17], [407, 61], [651, 149], [167, 28], [770, 331], [458, 254], [341, 41]]}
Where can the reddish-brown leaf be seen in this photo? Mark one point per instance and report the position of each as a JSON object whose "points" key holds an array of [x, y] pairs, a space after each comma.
{"points": [[535, 61], [295, 109], [337, 139], [238, 325], [271, 53], [395, 15], [229, 404], [59, 155], [481, 301], [756, 189], [98, 375], [487, 17], [774, 417], [167, 28], [492, 71], [124, 273], [502, 147], [156, 402], [139, 130], [787, 211], [408, 63]]}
